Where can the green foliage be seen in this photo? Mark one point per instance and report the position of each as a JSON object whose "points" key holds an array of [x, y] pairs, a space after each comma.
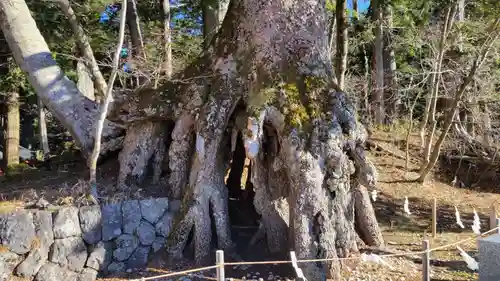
{"points": [[17, 169], [13, 79], [330, 6]]}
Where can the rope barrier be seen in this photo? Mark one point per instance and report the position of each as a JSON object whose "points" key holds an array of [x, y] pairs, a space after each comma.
{"points": [[465, 240], [177, 273], [315, 260]]}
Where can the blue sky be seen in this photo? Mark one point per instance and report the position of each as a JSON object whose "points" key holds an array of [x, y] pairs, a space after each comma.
{"points": [[363, 5]]}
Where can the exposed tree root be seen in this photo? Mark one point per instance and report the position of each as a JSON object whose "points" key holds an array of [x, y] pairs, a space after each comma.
{"points": [[270, 184], [302, 164], [144, 141], [366, 221], [180, 154]]}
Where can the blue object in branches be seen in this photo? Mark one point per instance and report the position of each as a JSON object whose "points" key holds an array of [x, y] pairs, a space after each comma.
{"points": [[124, 52], [109, 12], [126, 67]]}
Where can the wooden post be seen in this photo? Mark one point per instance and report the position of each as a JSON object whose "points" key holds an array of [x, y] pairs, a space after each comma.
{"points": [[219, 260], [426, 259], [434, 218], [493, 216]]}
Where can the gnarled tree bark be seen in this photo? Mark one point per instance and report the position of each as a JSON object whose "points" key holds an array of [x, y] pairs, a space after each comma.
{"points": [[272, 57], [269, 62]]}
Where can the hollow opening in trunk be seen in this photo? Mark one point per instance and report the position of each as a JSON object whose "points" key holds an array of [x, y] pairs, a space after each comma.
{"points": [[242, 213], [167, 127]]}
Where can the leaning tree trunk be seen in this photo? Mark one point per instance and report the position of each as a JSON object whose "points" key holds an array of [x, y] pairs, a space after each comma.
{"points": [[61, 96], [268, 55]]}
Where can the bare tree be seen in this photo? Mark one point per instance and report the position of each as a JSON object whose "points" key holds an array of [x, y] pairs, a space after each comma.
{"points": [[460, 18], [493, 32], [430, 107], [331, 33]]}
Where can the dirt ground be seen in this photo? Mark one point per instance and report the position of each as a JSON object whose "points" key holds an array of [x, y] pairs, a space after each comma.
{"points": [[402, 232]]}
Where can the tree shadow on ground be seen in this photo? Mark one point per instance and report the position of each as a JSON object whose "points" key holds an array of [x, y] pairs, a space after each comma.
{"points": [[389, 211], [477, 175]]}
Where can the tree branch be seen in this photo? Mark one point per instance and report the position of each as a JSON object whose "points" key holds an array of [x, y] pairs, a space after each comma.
{"points": [[105, 105], [84, 46], [493, 32]]}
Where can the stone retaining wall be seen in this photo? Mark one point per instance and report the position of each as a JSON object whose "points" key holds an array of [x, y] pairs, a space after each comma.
{"points": [[77, 244]]}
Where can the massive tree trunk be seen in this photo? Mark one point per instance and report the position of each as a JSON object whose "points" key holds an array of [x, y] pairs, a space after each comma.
{"points": [[301, 134], [271, 57], [61, 96], [13, 130]]}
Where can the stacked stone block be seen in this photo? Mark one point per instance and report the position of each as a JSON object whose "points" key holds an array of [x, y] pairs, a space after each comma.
{"points": [[81, 243]]}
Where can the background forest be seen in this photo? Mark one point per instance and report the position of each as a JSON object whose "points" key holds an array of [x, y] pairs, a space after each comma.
{"points": [[419, 64]]}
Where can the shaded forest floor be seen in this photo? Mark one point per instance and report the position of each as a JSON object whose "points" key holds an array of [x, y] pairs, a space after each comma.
{"points": [[63, 185]]}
